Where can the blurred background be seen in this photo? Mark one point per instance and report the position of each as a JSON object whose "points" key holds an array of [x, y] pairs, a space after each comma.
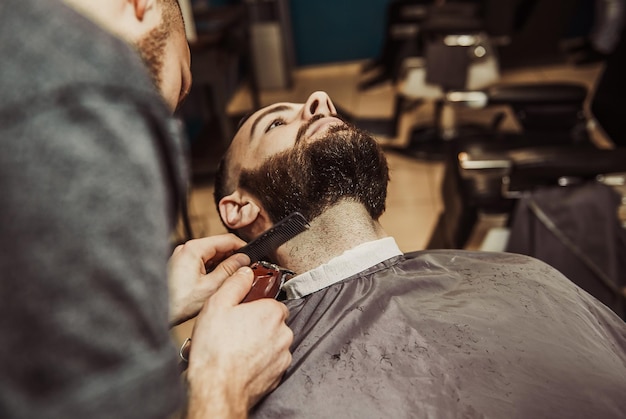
{"points": [[501, 119]]}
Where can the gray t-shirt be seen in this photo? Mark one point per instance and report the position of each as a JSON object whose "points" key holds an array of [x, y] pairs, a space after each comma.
{"points": [[90, 170]]}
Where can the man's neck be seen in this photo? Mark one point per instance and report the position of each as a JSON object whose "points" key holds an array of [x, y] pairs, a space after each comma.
{"points": [[342, 227]]}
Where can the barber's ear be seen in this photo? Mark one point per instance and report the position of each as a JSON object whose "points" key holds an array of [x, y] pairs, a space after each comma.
{"points": [[141, 6], [238, 211]]}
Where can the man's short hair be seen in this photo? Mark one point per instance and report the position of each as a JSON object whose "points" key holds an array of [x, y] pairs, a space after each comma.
{"points": [[224, 180]]}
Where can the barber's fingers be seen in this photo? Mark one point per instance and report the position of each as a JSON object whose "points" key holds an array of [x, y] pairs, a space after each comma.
{"points": [[237, 286], [211, 248], [270, 305], [226, 268], [234, 288]]}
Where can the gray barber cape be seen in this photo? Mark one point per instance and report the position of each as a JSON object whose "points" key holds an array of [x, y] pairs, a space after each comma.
{"points": [[448, 334]]}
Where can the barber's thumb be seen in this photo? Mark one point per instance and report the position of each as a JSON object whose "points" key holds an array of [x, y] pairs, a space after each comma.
{"points": [[235, 287]]}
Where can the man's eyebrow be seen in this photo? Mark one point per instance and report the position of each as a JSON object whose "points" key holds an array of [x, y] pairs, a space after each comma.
{"points": [[269, 111]]}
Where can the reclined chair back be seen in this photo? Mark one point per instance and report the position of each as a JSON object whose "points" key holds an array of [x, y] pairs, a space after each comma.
{"points": [[576, 228], [552, 111]]}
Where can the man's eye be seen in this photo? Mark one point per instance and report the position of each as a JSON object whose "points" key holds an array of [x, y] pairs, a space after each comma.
{"points": [[275, 123]]}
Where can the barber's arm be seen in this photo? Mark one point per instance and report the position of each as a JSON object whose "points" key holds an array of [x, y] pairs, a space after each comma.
{"points": [[239, 351]]}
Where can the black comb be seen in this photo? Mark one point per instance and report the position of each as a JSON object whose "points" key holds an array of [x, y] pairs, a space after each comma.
{"points": [[270, 240]]}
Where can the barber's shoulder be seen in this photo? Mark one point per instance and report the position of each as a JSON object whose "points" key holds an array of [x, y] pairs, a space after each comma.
{"points": [[60, 49]]}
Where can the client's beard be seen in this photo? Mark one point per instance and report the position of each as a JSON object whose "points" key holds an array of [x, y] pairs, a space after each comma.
{"points": [[345, 163], [152, 51]]}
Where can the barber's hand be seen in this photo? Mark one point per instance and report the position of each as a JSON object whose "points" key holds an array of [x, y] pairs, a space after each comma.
{"points": [[238, 351], [189, 283]]}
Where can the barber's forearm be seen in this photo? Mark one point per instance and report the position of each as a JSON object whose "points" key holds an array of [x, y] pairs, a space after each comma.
{"points": [[239, 351], [214, 394]]}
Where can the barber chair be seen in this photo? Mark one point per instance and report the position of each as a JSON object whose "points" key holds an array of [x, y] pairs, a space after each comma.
{"points": [[549, 115], [409, 23], [460, 41], [432, 48], [545, 113], [610, 92], [401, 40], [517, 176], [560, 204], [547, 184]]}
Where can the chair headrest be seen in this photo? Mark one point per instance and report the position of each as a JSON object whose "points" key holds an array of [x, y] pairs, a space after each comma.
{"points": [[537, 93], [551, 163]]}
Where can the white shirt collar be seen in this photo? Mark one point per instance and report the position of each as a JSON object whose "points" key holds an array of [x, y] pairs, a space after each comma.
{"points": [[351, 262]]}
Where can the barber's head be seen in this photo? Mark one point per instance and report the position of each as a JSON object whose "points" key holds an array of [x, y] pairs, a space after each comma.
{"points": [[297, 157], [165, 51], [156, 28]]}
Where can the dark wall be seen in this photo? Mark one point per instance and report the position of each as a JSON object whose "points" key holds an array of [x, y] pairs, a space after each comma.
{"points": [[538, 41], [327, 31], [337, 30]]}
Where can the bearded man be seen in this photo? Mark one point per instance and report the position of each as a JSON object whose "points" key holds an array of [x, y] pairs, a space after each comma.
{"points": [[91, 170], [382, 334]]}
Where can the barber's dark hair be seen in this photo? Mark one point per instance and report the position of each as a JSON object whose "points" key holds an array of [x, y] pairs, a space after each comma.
{"points": [[220, 181], [224, 183]]}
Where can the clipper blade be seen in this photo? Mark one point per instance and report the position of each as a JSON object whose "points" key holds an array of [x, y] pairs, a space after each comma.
{"points": [[270, 240]]}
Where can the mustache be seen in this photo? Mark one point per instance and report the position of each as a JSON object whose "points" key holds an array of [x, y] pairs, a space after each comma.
{"points": [[304, 128]]}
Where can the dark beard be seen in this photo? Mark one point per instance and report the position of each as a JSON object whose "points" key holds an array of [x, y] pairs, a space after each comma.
{"points": [[346, 163], [152, 51]]}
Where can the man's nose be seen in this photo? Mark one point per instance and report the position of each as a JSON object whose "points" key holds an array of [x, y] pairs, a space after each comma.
{"points": [[318, 103]]}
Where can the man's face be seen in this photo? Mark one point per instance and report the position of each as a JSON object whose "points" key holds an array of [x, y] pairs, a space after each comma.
{"points": [[276, 128], [300, 157], [167, 55]]}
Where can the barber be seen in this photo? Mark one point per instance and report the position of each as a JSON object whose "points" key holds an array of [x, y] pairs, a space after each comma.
{"points": [[91, 167]]}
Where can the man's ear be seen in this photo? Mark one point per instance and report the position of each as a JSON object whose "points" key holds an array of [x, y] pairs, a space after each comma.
{"points": [[238, 210]]}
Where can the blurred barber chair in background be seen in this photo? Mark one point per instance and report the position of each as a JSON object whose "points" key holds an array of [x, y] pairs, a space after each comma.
{"points": [[575, 226], [433, 47], [456, 47], [525, 32], [550, 114], [461, 41], [561, 204], [411, 24], [401, 41], [559, 195], [607, 103], [562, 199]]}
